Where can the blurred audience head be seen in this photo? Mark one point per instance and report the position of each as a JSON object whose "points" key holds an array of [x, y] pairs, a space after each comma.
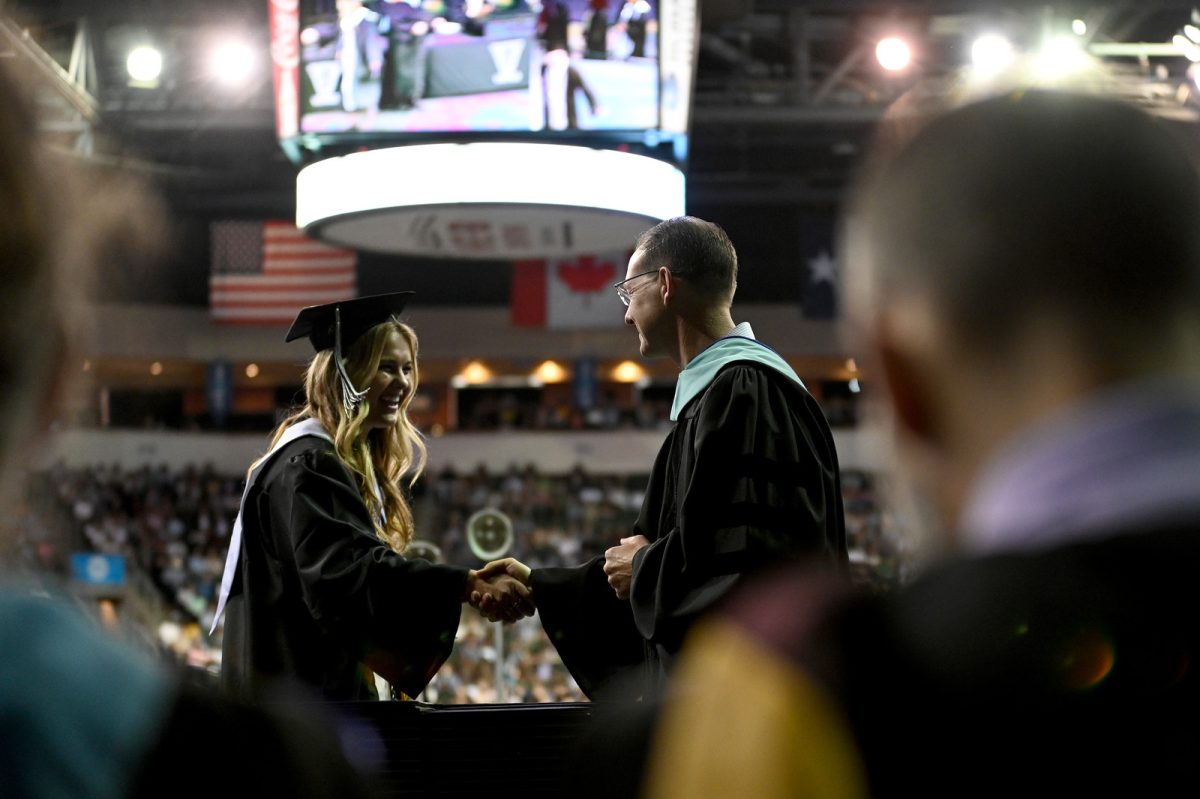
{"points": [[62, 217], [1013, 256]]}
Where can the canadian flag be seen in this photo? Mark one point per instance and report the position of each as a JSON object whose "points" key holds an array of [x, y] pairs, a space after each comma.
{"points": [[574, 292]]}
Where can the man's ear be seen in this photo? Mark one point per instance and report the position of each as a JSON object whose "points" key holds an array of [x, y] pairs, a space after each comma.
{"points": [[909, 386], [668, 285]]}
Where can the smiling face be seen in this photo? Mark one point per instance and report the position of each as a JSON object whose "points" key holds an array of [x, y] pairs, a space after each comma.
{"points": [[646, 312], [392, 384]]}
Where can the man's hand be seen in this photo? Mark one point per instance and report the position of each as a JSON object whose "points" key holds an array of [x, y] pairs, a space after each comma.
{"points": [[498, 595], [618, 563]]}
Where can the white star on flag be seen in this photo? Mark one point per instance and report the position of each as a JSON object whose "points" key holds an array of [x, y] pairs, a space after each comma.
{"points": [[822, 269]]}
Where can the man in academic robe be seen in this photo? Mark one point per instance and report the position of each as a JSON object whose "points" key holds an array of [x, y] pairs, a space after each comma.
{"points": [[747, 477], [1025, 277]]}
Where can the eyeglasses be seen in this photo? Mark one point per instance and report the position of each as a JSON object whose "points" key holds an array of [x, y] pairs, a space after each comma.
{"points": [[623, 292]]}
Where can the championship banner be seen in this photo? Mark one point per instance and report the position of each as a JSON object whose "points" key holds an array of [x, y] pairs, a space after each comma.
{"points": [[568, 293]]}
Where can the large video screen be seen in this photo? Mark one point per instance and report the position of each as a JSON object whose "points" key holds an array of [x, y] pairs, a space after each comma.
{"points": [[431, 66]]}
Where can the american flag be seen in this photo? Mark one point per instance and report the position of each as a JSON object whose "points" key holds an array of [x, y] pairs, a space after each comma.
{"points": [[263, 273]]}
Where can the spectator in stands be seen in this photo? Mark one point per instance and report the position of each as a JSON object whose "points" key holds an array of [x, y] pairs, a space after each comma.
{"points": [[1028, 276], [82, 714], [318, 588]]}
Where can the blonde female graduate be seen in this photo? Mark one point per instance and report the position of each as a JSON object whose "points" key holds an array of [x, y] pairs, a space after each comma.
{"points": [[317, 588]]}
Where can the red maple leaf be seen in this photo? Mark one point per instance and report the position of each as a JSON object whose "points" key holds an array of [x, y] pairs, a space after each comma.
{"points": [[587, 274]]}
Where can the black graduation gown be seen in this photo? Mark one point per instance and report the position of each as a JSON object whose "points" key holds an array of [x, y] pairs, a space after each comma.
{"points": [[318, 596], [1070, 671], [747, 477]]}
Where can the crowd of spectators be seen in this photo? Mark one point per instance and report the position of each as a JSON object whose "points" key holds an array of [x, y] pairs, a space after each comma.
{"points": [[174, 527]]}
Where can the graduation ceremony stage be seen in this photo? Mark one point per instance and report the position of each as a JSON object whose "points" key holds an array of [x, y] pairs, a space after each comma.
{"points": [[419, 750]]}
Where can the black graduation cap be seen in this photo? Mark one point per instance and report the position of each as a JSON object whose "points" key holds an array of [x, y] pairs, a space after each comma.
{"points": [[319, 322]]}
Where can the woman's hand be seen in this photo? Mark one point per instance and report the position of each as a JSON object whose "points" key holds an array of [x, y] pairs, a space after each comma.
{"points": [[497, 593]]}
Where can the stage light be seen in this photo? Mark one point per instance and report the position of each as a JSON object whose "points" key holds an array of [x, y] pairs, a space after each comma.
{"points": [[991, 53], [1192, 32], [251, 370], [549, 372], [144, 64], [854, 386], [893, 54], [233, 62], [1079, 27], [156, 368], [628, 372]]}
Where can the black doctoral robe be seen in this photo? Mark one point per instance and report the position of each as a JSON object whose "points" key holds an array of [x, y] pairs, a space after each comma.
{"points": [[747, 477], [318, 596]]}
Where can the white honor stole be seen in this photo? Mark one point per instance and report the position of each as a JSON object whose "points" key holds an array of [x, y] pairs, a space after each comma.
{"points": [[308, 427]]}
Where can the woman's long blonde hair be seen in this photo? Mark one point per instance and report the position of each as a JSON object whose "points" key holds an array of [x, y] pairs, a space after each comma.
{"points": [[386, 454]]}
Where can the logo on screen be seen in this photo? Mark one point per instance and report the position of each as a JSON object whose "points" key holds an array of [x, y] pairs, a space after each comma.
{"points": [[506, 56], [324, 76]]}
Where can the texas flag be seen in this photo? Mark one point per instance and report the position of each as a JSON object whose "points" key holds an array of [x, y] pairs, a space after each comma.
{"points": [[574, 292]]}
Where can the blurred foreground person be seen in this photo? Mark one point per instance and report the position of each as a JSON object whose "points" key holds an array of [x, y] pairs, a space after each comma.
{"points": [[80, 714], [1028, 286], [318, 589]]}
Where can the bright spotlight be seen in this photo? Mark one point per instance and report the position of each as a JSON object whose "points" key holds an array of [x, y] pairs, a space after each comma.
{"points": [[1192, 32], [1186, 47], [233, 62], [1061, 56], [144, 64], [1079, 27], [893, 54], [991, 53]]}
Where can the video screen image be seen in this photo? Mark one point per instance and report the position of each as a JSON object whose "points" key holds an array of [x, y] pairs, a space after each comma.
{"points": [[478, 65]]}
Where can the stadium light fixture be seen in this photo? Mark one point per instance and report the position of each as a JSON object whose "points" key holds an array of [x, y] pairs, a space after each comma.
{"points": [[1186, 47], [232, 62], [893, 54], [991, 53], [144, 64], [1061, 56]]}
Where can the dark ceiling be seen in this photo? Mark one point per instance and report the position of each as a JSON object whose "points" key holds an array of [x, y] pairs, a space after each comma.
{"points": [[786, 96]]}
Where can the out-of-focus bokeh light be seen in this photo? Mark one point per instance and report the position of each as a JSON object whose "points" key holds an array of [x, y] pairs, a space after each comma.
{"points": [[893, 54], [628, 372], [1079, 27], [233, 62], [144, 64], [1061, 56], [1186, 47], [475, 373], [991, 53], [550, 372]]}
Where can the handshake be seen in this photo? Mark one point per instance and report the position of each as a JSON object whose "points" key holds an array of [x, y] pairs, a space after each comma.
{"points": [[500, 590]]}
